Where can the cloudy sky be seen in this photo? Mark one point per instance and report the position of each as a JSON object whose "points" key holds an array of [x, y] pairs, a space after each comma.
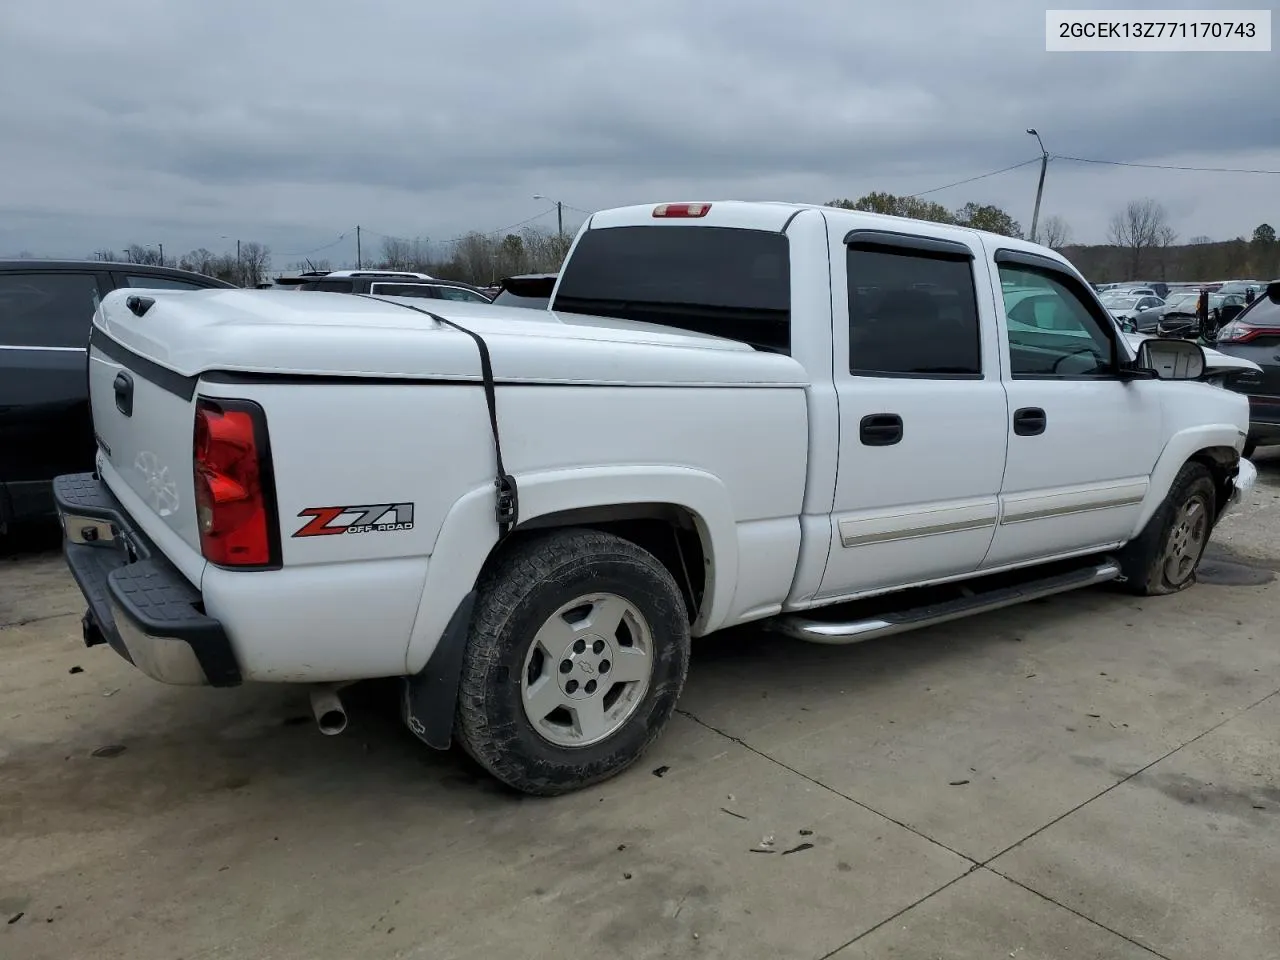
{"points": [[186, 123]]}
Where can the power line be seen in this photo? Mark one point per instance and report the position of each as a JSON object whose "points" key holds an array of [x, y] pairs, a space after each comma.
{"points": [[307, 253], [981, 176], [489, 233], [1163, 166]]}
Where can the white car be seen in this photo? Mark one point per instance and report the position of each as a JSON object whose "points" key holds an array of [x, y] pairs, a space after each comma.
{"points": [[733, 413]]}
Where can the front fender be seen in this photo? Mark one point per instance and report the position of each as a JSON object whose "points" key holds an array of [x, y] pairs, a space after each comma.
{"points": [[468, 534], [1182, 446]]}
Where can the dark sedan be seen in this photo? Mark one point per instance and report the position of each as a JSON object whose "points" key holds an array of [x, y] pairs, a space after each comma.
{"points": [[1255, 335], [46, 310]]}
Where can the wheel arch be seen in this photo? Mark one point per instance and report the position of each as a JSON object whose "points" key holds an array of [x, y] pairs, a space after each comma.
{"points": [[1213, 446], [643, 501]]}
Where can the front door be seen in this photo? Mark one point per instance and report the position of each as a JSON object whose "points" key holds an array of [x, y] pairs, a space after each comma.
{"points": [[1082, 441], [923, 419]]}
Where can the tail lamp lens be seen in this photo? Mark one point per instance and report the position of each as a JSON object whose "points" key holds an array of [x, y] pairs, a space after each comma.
{"points": [[231, 481]]}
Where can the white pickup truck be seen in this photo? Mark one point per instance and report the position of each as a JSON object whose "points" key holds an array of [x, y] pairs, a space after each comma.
{"points": [[843, 424]]}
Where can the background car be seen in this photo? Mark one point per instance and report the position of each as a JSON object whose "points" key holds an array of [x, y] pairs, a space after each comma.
{"points": [[46, 309], [1180, 302], [391, 283], [1129, 310], [530, 290], [1223, 308], [1254, 334]]}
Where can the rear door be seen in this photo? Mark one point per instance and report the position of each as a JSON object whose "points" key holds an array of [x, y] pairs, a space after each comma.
{"points": [[45, 319], [923, 419]]}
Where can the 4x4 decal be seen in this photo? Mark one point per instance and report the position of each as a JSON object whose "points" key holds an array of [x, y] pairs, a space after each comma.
{"points": [[364, 518]]}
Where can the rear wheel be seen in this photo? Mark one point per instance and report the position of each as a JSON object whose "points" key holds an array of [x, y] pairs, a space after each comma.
{"points": [[577, 654], [1164, 557]]}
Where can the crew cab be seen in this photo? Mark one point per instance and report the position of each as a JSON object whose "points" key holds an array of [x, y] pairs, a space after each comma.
{"points": [[835, 424]]}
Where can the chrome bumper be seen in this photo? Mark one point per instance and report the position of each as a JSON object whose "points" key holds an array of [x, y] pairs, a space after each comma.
{"points": [[1246, 479]]}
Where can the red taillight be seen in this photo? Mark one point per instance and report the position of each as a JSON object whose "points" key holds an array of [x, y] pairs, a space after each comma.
{"points": [[682, 210], [1236, 332], [234, 490]]}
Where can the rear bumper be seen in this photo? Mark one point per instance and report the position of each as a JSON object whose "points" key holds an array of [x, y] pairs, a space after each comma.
{"points": [[138, 602]]}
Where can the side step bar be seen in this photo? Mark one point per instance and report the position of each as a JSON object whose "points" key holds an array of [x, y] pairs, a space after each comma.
{"points": [[855, 631]]}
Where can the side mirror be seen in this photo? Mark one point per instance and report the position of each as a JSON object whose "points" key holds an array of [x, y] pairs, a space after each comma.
{"points": [[1172, 359]]}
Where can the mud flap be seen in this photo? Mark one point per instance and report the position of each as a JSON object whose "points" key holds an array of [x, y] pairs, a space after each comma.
{"points": [[431, 696]]}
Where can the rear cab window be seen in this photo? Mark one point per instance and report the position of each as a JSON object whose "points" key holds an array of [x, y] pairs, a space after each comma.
{"points": [[724, 281], [47, 310]]}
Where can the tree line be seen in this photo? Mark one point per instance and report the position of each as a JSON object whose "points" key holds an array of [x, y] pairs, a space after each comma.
{"points": [[475, 258], [1141, 245], [1141, 242], [248, 267]]}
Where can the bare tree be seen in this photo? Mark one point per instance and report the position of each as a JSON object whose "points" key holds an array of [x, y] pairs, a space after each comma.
{"points": [[147, 256], [1139, 227], [1055, 232], [401, 254], [255, 263]]}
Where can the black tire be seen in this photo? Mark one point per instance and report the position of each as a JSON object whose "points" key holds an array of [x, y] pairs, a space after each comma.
{"points": [[1143, 560], [522, 591], [1250, 448]]}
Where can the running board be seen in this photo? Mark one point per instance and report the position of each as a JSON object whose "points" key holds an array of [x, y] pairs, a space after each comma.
{"points": [[855, 631]]}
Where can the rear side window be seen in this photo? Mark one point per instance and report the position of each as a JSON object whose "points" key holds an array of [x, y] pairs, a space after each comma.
{"points": [[161, 283], [400, 290], [912, 314], [47, 309], [727, 282], [328, 286]]}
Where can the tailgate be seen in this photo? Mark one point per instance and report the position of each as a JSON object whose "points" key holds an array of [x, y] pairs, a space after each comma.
{"points": [[143, 420]]}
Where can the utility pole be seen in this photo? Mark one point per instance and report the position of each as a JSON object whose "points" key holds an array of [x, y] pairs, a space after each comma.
{"points": [[559, 213], [359, 258], [1044, 163], [239, 266], [161, 254]]}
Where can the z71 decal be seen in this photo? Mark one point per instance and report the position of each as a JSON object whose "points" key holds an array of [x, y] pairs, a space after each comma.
{"points": [[369, 518]]}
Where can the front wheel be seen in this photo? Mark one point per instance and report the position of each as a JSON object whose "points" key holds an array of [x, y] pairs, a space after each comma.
{"points": [[577, 653], [1164, 557]]}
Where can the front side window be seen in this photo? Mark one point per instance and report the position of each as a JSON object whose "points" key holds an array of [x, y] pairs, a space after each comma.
{"points": [[912, 314], [1052, 332], [47, 309]]}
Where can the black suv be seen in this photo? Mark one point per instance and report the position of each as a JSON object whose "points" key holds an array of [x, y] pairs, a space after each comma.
{"points": [[387, 283], [46, 309], [1254, 334]]}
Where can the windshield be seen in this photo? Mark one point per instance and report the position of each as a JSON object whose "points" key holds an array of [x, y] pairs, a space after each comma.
{"points": [[1122, 302]]}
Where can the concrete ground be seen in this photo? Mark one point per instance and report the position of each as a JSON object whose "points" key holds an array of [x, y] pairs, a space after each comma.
{"points": [[1088, 776]]}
